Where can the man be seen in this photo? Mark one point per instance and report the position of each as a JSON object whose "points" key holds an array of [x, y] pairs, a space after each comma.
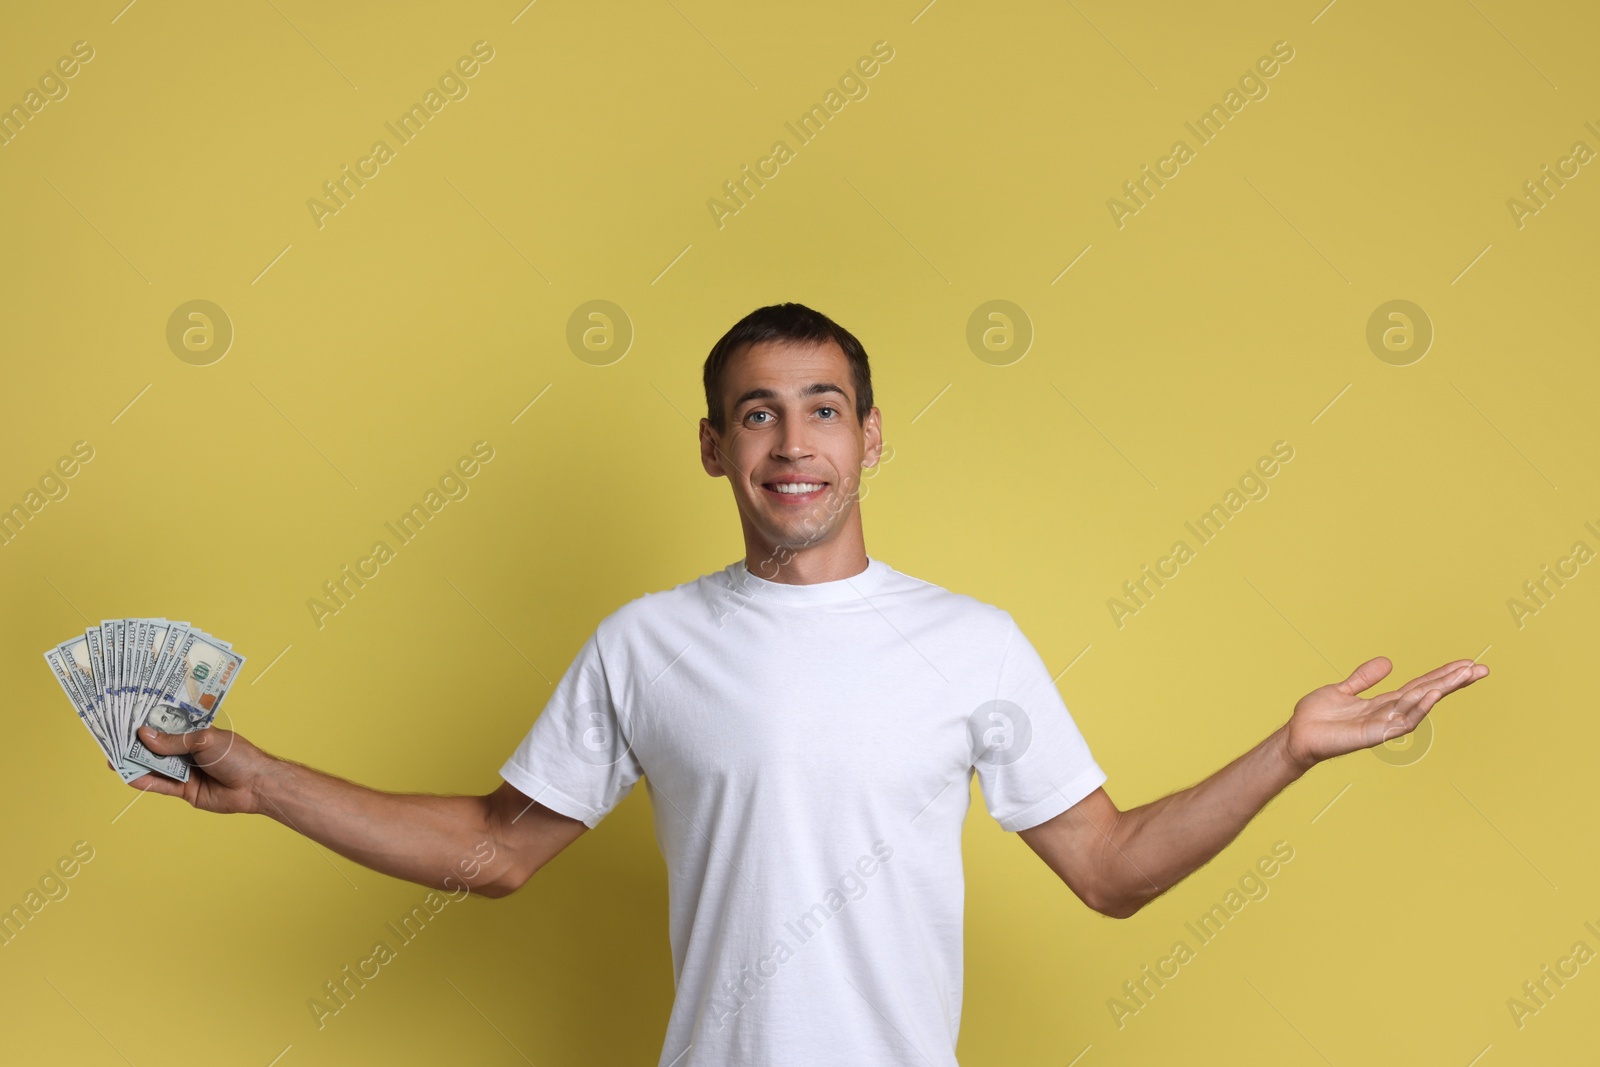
{"points": [[808, 721]]}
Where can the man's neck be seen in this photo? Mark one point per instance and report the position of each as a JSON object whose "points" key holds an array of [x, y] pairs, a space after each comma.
{"points": [[807, 566]]}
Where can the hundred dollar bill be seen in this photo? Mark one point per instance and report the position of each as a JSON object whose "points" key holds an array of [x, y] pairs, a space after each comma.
{"points": [[71, 683], [140, 635], [151, 642], [125, 673], [108, 660], [120, 651], [133, 633], [171, 658], [66, 676], [104, 679], [97, 666], [130, 653], [175, 662], [75, 656], [119, 647], [127, 634], [203, 671], [168, 639], [151, 633], [209, 671]]}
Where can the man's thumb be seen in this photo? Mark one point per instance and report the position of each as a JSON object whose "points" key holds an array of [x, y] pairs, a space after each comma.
{"points": [[171, 744], [1367, 675]]}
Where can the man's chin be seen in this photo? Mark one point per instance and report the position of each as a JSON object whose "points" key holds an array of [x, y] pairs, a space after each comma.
{"points": [[799, 539]]}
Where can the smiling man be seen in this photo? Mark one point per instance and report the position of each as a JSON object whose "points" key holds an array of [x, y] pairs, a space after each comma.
{"points": [[808, 721]]}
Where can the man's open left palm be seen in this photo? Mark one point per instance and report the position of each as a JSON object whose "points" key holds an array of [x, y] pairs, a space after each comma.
{"points": [[1333, 719]]}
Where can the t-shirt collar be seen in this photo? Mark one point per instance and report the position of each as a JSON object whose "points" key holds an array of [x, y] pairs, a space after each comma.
{"points": [[864, 584]]}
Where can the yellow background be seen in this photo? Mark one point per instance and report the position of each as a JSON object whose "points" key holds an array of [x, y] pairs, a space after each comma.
{"points": [[1226, 315]]}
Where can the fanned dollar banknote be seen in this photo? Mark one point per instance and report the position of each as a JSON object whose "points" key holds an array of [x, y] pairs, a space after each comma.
{"points": [[126, 673]]}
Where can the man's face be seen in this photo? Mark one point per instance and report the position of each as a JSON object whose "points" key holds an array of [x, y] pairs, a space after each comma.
{"points": [[168, 720], [791, 422]]}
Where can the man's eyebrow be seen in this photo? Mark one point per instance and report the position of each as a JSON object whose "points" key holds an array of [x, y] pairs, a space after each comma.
{"points": [[814, 389]]}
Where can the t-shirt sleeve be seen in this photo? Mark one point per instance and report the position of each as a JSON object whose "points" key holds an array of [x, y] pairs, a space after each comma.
{"points": [[576, 758], [1032, 762]]}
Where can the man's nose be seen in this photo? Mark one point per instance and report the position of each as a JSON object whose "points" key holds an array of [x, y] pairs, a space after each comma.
{"points": [[793, 441]]}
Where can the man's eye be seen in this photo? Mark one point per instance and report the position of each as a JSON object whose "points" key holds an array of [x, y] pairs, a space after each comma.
{"points": [[835, 410], [753, 414]]}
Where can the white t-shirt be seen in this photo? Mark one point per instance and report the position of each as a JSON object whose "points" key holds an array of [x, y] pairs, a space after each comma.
{"points": [[808, 751]]}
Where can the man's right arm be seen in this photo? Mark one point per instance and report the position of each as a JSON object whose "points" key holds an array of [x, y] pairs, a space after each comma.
{"points": [[492, 843]]}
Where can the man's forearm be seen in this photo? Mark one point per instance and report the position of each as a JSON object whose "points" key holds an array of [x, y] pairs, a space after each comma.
{"points": [[418, 837], [1153, 847]]}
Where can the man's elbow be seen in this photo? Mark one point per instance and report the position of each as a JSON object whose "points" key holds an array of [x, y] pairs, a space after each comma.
{"points": [[503, 883], [1115, 907], [1120, 911]]}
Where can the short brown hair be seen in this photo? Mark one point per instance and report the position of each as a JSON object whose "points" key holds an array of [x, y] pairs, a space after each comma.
{"points": [[786, 322]]}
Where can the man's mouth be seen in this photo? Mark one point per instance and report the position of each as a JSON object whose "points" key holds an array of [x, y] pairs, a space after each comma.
{"points": [[792, 492]]}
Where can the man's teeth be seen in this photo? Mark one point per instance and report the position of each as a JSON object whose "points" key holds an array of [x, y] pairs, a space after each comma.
{"points": [[798, 487]]}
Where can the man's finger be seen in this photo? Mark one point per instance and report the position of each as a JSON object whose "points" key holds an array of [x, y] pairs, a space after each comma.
{"points": [[155, 783], [1436, 675], [172, 744], [1414, 705], [1456, 679], [1367, 675]]}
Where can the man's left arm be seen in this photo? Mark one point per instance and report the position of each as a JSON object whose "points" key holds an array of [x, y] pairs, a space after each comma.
{"points": [[1118, 861]]}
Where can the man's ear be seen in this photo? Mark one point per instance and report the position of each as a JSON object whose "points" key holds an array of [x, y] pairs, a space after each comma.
{"points": [[872, 430], [710, 454]]}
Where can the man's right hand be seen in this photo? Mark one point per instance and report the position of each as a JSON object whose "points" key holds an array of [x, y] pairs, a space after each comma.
{"points": [[492, 843], [226, 775]]}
